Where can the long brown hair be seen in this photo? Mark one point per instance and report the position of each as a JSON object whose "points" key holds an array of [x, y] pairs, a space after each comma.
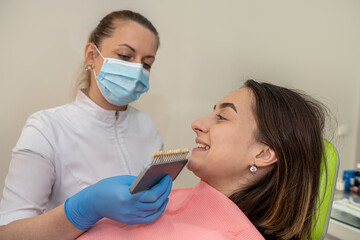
{"points": [[282, 204], [105, 29]]}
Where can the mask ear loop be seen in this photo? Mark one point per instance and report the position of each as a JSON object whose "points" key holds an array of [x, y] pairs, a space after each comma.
{"points": [[100, 55], [94, 72], [98, 51]]}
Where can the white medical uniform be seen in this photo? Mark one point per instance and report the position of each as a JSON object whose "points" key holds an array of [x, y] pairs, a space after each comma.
{"points": [[65, 149]]}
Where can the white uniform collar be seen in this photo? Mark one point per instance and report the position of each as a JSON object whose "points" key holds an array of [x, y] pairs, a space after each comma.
{"points": [[107, 116]]}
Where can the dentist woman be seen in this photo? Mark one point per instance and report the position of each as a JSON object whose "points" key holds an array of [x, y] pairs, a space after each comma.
{"points": [[72, 164]]}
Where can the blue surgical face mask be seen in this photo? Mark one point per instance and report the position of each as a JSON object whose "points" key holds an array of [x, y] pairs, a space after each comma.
{"points": [[121, 82]]}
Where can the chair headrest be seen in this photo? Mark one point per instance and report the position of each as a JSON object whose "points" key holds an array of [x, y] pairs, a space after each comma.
{"points": [[328, 174]]}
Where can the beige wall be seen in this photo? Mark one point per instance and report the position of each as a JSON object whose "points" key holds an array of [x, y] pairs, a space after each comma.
{"points": [[207, 49]]}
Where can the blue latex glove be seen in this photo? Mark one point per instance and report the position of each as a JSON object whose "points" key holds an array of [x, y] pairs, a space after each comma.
{"points": [[111, 198]]}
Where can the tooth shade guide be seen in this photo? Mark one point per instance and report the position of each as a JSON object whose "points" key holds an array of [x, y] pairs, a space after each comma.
{"points": [[169, 155], [169, 162]]}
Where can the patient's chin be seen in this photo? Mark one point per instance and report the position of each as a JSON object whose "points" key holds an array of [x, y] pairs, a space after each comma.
{"points": [[191, 166], [195, 168]]}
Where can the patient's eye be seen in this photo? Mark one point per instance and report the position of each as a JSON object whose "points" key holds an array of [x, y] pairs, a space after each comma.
{"points": [[219, 117]]}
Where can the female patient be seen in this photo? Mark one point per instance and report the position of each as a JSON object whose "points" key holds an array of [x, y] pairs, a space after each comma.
{"points": [[258, 156]]}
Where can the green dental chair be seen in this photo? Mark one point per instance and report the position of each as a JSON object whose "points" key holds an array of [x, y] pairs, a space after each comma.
{"points": [[329, 171]]}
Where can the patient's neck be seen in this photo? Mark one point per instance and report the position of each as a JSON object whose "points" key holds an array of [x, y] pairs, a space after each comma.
{"points": [[224, 187], [229, 185]]}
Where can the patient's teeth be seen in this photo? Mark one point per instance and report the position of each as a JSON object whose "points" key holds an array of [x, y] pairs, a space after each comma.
{"points": [[199, 145]]}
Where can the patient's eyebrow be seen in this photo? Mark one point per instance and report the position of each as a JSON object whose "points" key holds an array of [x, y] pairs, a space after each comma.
{"points": [[225, 105]]}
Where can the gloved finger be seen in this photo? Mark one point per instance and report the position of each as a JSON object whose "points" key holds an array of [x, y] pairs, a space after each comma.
{"points": [[154, 206], [147, 209], [161, 188], [126, 180], [154, 216]]}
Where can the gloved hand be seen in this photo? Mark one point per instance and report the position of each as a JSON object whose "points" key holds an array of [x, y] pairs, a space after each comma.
{"points": [[111, 198]]}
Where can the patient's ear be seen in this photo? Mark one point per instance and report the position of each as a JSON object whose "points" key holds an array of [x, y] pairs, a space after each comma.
{"points": [[265, 157]]}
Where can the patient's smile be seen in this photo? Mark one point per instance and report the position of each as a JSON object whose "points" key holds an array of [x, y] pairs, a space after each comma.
{"points": [[199, 145]]}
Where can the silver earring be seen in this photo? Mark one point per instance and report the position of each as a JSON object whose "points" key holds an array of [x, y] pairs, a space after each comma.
{"points": [[253, 168]]}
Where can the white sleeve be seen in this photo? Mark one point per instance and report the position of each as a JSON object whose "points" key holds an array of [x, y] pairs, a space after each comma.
{"points": [[31, 175]]}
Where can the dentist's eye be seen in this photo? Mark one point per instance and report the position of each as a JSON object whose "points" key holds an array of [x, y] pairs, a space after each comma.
{"points": [[124, 57], [146, 66], [219, 117]]}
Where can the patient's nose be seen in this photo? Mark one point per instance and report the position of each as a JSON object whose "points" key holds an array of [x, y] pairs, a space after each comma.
{"points": [[200, 125]]}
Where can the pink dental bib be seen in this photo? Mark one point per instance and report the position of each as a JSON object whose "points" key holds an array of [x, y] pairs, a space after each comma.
{"points": [[201, 213]]}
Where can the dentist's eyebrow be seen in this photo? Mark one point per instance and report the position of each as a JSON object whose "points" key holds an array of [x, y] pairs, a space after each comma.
{"points": [[128, 46], [133, 49], [225, 105]]}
